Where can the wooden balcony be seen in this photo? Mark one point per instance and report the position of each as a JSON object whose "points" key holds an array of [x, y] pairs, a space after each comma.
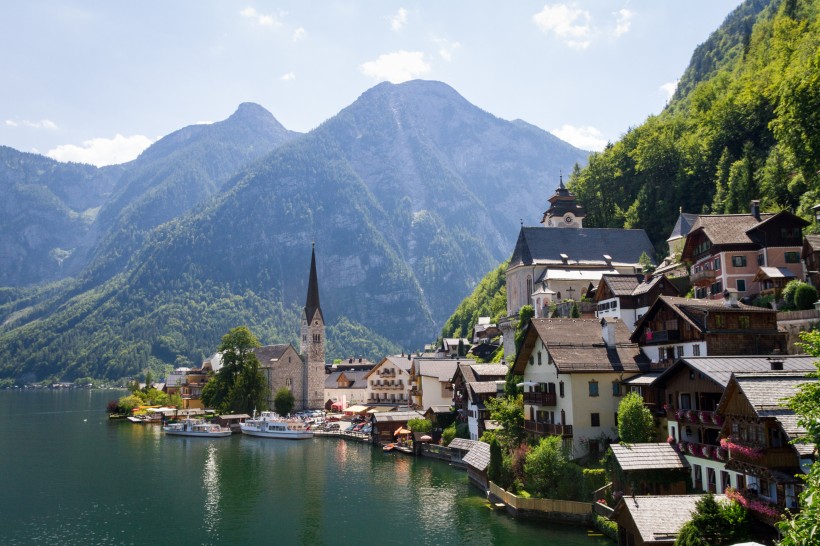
{"points": [[703, 278], [548, 429], [662, 336], [540, 398]]}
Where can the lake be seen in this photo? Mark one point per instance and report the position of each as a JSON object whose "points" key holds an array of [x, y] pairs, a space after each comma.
{"points": [[69, 476]]}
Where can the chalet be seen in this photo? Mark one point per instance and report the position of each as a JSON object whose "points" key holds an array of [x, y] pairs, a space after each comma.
{"points": [[757, 433], [431, 381], [345, 388], [653, 520], [680, 327], [572, 370], [726, 250], [671, 266], [628, 297], [693, 387], [388, 382], [473, 384], [454, 347], [811, 257], [651, 468]]}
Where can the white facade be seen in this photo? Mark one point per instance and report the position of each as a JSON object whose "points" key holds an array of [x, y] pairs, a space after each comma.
{"points": [[389, 382]]}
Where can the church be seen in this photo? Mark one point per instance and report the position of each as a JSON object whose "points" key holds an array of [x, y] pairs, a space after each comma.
{"points": [[303, 372], [561, 259]]}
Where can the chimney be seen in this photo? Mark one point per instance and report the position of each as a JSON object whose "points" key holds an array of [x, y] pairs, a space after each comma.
{"points": [[756, 209], [730, 297], [608, 333], [776, 364]]}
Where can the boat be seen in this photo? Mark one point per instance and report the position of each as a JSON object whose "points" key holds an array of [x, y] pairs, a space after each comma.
{"points": [[388, 447], [270, 425], [196, 427]]}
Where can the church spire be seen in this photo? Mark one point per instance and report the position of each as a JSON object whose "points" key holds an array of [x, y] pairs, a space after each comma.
{"points": [[312, 301]]}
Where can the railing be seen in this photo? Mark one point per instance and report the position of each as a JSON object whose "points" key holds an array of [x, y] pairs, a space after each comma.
{"points": [[694, 416], [703, 278], [569, 509], [548, 428], [540, 398], [703, 451], [662, 335]]}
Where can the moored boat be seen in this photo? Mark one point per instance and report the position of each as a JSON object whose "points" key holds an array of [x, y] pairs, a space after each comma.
{"points": [[197, 428], [271, 425]]}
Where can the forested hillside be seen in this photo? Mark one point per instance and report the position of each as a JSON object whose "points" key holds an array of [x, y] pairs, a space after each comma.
{"points": [[744, 124]]}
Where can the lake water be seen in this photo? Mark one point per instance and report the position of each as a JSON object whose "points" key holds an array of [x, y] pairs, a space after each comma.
{"points": [[69, 476]]}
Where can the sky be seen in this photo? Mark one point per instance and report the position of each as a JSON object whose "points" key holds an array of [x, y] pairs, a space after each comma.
{"points": [[97, 81]]}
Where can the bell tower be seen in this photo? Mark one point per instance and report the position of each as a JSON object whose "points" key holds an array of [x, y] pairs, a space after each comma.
{"points": [[564, 210], [313, 343]]}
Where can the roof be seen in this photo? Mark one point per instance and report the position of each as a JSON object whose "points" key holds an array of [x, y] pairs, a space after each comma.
{"points": [[356, 409], [312, 300], [443, 369], [462, 443], [586, 244], [720, 368], [269, 354], [439, 409], [478, 457], [400, 416], [722, 229], [622, 285], [811, 243], [401, 362], [764, 273], [642, 379], [483, 387], [659, 518], [685, 222], [652, 456], [358, 378], [488, 371], [577, 345]]}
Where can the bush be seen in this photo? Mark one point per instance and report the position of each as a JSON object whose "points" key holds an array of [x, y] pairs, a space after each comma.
{"points": [[804, 296], [607, 527], [448, 434], [420, 425], [788, 293]]}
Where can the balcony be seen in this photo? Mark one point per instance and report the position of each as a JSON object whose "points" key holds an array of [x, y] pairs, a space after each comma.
{"points": [[703, 451], [548, 429], [703, 278], [709, 418], [662, 336], [540, 398]]}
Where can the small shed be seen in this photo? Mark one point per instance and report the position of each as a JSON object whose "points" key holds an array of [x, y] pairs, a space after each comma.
{"points": [[477, 461], [384, 425], [652, 468], [232, 421]]}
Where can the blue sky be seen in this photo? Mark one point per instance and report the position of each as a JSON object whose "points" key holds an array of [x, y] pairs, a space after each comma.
{"points": [[97, 81]]}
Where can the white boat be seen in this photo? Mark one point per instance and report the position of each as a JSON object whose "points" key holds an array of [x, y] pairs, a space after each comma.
{"points": [[271, 425], [196, 427]]}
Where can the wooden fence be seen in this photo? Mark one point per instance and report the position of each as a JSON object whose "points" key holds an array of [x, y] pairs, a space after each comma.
{"points": [[549, 508]]}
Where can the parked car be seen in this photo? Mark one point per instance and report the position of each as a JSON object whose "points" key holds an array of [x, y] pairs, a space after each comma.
{"points": [[332, 426]]}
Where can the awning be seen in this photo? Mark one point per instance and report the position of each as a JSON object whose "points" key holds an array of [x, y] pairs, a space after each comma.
{"points": [[380, 409], [527, 384]]}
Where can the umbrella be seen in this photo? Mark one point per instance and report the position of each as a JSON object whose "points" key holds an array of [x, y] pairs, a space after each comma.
{"points": [[401, 430], [426, 438]]}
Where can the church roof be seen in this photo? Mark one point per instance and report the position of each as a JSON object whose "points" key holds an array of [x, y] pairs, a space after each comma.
{"points": [[684, 224], [312, 301], [268, 355], [545, 245]]}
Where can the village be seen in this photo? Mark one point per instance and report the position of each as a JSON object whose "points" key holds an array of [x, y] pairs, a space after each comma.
{"points": [[702, 338]]}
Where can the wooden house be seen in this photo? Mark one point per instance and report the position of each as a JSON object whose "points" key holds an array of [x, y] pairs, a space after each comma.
{"points": [[811, 257], [651, 468], [473, 384], [628, 297]]}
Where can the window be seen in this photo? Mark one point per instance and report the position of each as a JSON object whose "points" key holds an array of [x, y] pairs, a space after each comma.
{"points": [[743, 321], [719, 321], [679, 351], [741, 285], [616, 388], [595, 419], [532, 360], [539, 358], [760, 259], [716, 288], [716, 264], [695, 350], [561, 389], [593, 388], [739, 261], [792, 257]]}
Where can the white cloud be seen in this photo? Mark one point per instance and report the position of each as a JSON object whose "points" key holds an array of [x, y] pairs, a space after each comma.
{"points": [[446, 48], [397, 67], [623, 21], [586, 138], [398, 20], [42, 124], [102, 151], [570, 24], [299, 34], [289, 77], [261, 18], [669, 88]]}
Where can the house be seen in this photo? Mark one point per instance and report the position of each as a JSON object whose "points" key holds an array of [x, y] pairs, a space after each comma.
{"points": [[345, 388], [454, 347], [385, 424], [432, 381], [726, 250], [810, 253], [671, 266], [651, 468], [757, 432], [552, 263], [628, 297], [473, 384], [675, 328], [188, 384], [653, 520], [572, 370], [388, 382], [478, 461], [693, 388]]}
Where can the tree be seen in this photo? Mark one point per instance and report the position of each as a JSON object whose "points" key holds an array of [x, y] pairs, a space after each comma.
{"points": [[509, 413], [803, 528], [548, 471], [635, 422], [496, 462], [804, 297], [420, 425], [283, 402], [574, 312], [714, 524], [239, 385]]}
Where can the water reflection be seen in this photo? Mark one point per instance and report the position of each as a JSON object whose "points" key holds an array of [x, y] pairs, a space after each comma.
{"points": [[210, 482]]}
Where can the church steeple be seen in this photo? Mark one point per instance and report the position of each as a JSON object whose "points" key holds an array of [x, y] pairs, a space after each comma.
{"points": [[312, 300], [563, 211]]}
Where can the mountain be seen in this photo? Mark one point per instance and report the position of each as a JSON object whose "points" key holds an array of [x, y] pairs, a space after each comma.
{"points": [[411, 194], [742, 125]]}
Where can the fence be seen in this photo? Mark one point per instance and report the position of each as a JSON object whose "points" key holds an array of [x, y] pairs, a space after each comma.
{"points": [[549, 508]]}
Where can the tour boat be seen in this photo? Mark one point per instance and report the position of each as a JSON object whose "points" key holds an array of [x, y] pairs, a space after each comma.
{"points": [[271, 425], [196, 427]]}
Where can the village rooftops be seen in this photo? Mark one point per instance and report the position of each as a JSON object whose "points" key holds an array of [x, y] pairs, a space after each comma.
{"points": [[719, 369], [658, 519], [651, 456], [585, 245]]}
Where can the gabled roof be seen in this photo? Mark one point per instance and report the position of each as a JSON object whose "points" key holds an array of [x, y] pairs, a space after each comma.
{"points": [[719, 369], [723, 229], [478, 457], [630, 285], [269, 355], [400, 362], [811, 243], [658, 519], [483, 387], [684, 224], [462, 444], [441, 368], [577, 345], [651, 456], [358, 378], [397, 416], [489, 372], [312, 300], [543, 244]]}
